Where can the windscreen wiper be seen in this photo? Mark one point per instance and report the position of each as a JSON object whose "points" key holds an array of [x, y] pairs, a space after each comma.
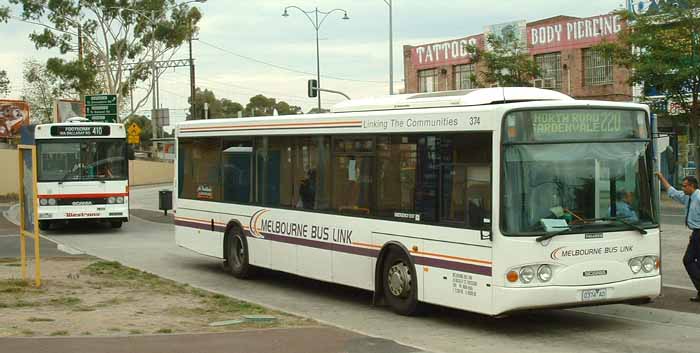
{"points": [[620, 220]]}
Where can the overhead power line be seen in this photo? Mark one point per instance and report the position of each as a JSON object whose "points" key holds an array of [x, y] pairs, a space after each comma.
{"points": [[283, 67]]}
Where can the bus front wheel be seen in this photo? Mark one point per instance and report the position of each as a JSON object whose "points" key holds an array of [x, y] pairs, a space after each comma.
{"points": [[400, 283], [237, 253], [44, 225]]}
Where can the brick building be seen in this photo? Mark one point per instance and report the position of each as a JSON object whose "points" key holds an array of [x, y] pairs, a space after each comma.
{"points": [[560, 46]]}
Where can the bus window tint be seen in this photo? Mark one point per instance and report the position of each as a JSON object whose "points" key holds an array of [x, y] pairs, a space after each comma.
{"points": [[274, 174], [397, 157], [465, 179], [200, 169], [353, 175], [311, 164], [237, 170]]}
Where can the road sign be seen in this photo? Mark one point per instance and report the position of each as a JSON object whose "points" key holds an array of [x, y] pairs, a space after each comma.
{"points": [[101, 99], [134, 129], [134, 139], [101, 107]]}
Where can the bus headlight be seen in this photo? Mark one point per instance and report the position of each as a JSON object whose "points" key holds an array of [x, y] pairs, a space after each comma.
{"points": [[648, 264], [635, 265], [52, 202], [527, 274], [544, 273], [43, 202], [120, 199], [111, 200]]}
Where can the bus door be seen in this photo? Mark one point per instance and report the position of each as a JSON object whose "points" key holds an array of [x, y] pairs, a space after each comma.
{"points": [[459, 252]]}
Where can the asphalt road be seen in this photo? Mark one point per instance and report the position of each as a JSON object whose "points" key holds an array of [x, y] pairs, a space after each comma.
{"points": [[10, 242], [150, 246]]}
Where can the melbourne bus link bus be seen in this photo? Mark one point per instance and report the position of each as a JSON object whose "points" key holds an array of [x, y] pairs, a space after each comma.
{"points": [[493, 200], [82, 173]]}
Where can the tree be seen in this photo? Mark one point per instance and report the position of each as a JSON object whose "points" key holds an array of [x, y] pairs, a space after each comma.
{"points": [[41, 89], [114, 33], [4, 83], [506, 61], [145, 125], [262, 106], [661, 49], [230, 109]]}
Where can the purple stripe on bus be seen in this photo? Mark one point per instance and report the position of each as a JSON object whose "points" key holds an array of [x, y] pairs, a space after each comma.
{"points": [[453, 265], [203, 226], [419, 260]]}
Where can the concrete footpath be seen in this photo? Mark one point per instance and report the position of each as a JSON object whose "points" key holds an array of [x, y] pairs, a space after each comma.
{"points": [[301, 340]]}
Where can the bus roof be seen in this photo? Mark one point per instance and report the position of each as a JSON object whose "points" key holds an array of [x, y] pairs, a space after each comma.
{"points": [[473, 97]]}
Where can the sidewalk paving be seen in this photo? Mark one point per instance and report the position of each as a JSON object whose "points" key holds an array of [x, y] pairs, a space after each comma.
{"points": [[296, 340]]}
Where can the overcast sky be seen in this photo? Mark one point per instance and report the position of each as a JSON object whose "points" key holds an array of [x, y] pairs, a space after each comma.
{"points": [[356, 50]]}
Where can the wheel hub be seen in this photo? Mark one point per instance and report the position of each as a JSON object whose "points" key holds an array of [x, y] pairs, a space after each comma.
{"points": [[399, 280]]}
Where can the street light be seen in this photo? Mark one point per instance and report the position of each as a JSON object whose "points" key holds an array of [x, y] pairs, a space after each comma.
{"points": [[391, 47], [317, 25]]}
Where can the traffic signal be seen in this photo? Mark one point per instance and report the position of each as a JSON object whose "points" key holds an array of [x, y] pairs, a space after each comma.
{"points": [[313, 88]]}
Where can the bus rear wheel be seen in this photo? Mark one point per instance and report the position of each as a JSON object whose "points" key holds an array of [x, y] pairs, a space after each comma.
{"points": [[237, 255], [400, 283]]}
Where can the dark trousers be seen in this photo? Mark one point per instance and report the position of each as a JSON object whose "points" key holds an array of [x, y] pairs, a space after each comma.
{"points": [[691, 258]]}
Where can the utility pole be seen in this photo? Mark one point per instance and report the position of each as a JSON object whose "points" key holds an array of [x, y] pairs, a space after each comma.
{"points": [[192, 84]]}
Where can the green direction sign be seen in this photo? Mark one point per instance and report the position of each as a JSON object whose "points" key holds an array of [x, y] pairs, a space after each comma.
{"points": [[103, 118], [101, 99], [101, 107]]}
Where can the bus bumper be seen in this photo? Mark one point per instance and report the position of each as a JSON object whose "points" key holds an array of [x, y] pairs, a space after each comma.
{"points": [[517, 299], [104, 213]]}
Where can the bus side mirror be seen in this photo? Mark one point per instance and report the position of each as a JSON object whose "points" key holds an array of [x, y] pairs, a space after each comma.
{"points": [[130, 155]]}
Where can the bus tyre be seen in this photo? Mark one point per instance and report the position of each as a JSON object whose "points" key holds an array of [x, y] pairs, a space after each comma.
{"points": [[44, 225], [115, 224], [237, 255], [400, 283]]}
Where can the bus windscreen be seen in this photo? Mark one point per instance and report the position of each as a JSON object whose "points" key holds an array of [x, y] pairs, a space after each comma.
{"points": [[75, 160]]}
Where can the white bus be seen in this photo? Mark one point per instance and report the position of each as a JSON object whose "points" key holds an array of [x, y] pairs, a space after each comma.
{"points": [[491, 200], [83, 172]]}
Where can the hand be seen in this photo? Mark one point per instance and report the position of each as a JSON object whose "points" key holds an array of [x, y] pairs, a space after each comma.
{"points": [[659, 175]]}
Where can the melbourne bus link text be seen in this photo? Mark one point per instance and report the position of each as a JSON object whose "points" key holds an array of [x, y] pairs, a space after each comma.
{"points": [[301, 230]]}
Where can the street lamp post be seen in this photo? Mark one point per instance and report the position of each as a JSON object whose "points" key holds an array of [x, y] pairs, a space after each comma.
{"points": [[391, 46], [317, 25]]}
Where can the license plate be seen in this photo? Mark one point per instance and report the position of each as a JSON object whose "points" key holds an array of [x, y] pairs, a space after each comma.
{"points": [[594, 294]]}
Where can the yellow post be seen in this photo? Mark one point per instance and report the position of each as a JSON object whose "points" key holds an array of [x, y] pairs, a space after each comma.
{"points": [[35, 200], [34, 233], [22, 241]]}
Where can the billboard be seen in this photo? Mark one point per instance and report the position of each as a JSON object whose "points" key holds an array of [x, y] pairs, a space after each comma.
{"points": [[65, 109], [13, 115], [503, 31]]}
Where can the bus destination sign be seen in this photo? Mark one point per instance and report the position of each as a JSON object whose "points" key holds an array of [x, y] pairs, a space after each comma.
{"points": [[79, 131], [584, 124]]}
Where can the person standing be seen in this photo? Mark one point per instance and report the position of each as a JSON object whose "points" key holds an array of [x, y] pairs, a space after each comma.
{"points": [[690, 198]]}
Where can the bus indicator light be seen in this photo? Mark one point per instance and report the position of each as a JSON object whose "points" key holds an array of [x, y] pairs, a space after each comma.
{"points": [[512, 276]]}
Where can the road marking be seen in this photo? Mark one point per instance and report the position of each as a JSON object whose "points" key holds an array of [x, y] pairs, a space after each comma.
{"points": [[9, 236]]}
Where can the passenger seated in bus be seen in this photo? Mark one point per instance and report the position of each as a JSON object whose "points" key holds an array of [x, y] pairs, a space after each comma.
{"points": [[623, 207], [104, 171], [307, 190]]}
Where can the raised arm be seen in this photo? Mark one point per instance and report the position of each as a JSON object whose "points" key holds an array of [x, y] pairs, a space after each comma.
{"points": [[663, 180]]}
